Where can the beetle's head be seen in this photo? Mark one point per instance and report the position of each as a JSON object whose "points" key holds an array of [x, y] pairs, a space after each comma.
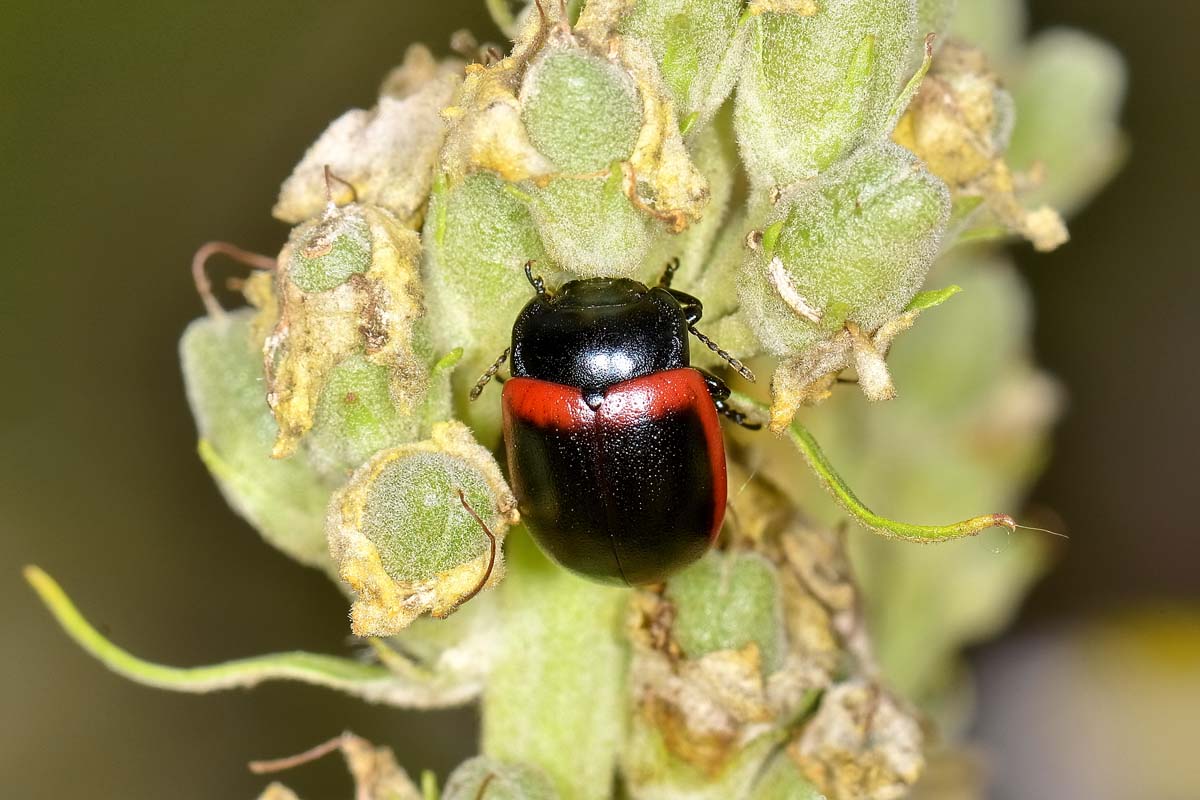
{"points": [[599, 293]]}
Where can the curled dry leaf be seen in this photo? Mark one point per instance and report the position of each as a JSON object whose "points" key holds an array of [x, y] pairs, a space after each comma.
{"points": [[348, 284], [808, 379], [959, 124], [862, 744], [388, 154]]}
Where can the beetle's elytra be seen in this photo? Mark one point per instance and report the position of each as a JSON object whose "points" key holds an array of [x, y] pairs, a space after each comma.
{"points": [[614, 447]]}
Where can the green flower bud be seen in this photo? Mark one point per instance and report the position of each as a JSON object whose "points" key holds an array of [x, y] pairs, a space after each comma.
{"points": [[497, 780], [725, 603], [328, 250], [388, 154], [348, 285], [407, 542], [616, 237], [478, 236], [355, 418], [695, 45], [852, 55], [284, 500], [733, 652], [853, 246], [1068, 93], [997, 27], [581, 111]]}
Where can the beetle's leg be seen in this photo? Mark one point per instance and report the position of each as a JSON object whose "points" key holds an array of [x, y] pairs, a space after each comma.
{"points": [[717, 389], [669, 273], [487, 376], [741, 368], [719, 393], [692, 308], [537, 283]]}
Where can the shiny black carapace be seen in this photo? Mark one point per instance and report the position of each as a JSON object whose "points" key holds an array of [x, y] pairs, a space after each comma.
{"points": [[614, 449]]}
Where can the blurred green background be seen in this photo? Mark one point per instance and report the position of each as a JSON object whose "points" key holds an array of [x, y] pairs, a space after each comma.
{"points": [[132, 132]]}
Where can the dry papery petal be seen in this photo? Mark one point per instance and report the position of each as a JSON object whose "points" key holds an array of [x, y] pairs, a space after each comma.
{"points": [[861, 745], [959, 124], [372, 312]]}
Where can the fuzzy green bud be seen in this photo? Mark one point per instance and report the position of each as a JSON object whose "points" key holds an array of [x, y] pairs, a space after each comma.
{"points": [[581, 111], [725, 603], [355, 418], [478, 235], [851, 54], [1068, 95], [612, 243], [853, 246], [695, 44], [404, 531], [584, 114], [328, 250]]}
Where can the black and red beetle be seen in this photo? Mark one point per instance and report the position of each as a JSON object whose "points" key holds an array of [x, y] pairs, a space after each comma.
{"points": [[615, 451]]}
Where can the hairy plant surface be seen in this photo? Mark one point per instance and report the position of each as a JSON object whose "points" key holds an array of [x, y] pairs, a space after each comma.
{"points": [[828, 173]]}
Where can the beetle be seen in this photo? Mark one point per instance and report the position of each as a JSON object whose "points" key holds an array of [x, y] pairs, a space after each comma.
{"points": [[614, 446]]}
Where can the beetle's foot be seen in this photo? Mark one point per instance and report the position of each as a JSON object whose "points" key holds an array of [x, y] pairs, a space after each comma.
{"points": [[727, 411]]}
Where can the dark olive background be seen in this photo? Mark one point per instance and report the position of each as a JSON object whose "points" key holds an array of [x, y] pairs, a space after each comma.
{"points": [[131, 132]]}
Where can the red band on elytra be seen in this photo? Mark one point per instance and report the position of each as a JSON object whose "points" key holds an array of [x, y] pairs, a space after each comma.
{"points": [[649, 397]]}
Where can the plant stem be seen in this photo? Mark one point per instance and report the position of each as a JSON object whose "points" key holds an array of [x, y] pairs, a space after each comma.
{"points": [[556, 699]]}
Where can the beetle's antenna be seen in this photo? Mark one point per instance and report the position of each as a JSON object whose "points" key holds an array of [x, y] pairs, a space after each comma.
{"points": [[491, 558], [669, 273], [330, 179], [537, 283], [200, 276], [487, 376], [741, 368]]}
